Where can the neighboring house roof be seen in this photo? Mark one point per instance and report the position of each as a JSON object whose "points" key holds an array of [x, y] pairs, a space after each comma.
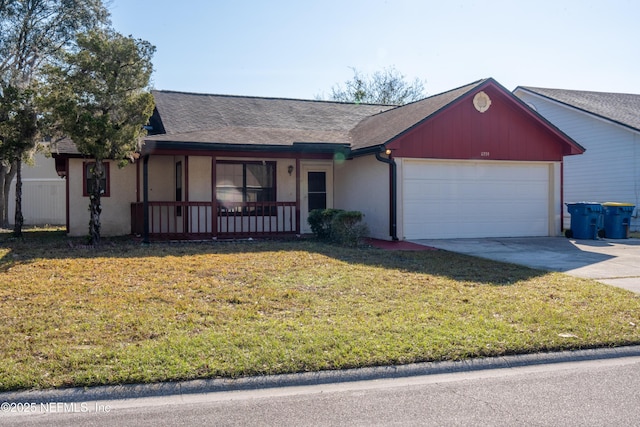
{"points": [[64, 146], [621, 108]]}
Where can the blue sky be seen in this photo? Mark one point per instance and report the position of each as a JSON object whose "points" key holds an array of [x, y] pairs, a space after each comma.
{"points": [[301, 48]]}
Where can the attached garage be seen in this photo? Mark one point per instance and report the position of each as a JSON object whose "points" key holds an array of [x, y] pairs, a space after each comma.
{"points": [[475, 199], [472, 162]]}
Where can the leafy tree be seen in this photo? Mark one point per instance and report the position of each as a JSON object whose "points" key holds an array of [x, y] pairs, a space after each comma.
{"points": [[387, 87], [99, 100], [18, 131], [32, 33]]}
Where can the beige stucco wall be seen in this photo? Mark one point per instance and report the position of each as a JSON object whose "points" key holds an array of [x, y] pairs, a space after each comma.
{"points": [[362, 184], [116, 209], [199, 179], [286, 183], [161, 172]]}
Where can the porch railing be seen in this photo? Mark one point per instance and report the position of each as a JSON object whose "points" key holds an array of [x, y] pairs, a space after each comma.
{"points": [[195, 219]]}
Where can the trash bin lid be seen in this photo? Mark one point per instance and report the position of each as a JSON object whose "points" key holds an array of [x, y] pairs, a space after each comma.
{"points": [[583, 204], [617, 204]]}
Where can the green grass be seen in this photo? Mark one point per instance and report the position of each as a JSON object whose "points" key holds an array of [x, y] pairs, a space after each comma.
{"points": [[128, 313]]}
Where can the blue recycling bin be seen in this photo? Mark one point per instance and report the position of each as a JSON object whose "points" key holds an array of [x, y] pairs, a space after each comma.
{"points": [[587, 219], [617, 219]]}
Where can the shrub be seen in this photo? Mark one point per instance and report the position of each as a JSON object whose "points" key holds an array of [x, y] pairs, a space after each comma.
{"points": [[320, 221], [348, 229], [344, 227]]}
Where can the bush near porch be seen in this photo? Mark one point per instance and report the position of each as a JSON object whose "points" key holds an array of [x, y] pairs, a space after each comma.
{"points": [[128, 313], [339, 226]]}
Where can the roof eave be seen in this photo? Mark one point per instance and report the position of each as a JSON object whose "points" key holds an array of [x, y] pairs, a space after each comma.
{"points": [[365, 151], [297, 147]]}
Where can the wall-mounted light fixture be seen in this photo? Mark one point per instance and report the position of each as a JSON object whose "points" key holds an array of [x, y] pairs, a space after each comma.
{"points": [[387, 151], [290, 169]]}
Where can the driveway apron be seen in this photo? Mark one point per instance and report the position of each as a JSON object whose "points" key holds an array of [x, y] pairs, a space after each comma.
{"points": [[614, 262]]}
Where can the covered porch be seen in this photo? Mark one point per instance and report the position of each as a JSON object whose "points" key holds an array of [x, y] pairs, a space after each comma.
{"points": [[218, 195]]}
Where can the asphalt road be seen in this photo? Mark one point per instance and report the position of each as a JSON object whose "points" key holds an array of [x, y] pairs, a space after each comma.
{"points": [[587, 393]]}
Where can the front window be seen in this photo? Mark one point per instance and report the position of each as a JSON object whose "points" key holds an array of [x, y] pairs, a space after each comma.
{"points": [[241, 182]]}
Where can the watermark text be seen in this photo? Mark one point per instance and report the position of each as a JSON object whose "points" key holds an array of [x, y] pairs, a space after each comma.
{"points": [[53, 407]]}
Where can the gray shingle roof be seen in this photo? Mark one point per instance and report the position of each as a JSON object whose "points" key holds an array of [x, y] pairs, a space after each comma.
{"points": [[621, 108], [190, 117], [63, 146]]}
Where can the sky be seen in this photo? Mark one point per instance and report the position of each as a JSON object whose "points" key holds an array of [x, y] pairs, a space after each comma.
{"points": [[302, 48]]}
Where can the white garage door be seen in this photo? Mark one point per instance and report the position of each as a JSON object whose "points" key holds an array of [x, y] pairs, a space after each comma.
{"points": [[474, 199]]}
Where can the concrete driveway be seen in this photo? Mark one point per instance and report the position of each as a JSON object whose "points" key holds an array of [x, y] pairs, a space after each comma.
{"points": [[614, 262]]}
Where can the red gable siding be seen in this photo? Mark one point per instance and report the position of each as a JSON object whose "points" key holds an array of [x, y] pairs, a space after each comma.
{"points": [[506, 131]]}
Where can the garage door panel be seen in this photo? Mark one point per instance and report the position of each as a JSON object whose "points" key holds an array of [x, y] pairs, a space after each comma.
{"points": [[478, 213], [447, 200]]}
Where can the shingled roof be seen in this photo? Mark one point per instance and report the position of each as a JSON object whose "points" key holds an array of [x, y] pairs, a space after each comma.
{"points": [[621, 108], [196, 121], [224, 119], [381, 128]]}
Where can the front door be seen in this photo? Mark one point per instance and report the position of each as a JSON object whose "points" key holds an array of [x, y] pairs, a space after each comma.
{"points": [[317, 190]]}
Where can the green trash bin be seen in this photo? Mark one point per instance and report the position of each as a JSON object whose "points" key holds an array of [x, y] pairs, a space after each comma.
{"points": [[586, 220], [617, 219]]}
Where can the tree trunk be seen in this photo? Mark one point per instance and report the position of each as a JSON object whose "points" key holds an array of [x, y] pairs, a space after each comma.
{"points": [[6, 176], [95, 207], [4, 202], [19, 219]]}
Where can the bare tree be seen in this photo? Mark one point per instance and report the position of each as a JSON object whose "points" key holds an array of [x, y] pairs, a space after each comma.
{"points": [[387, 86]]}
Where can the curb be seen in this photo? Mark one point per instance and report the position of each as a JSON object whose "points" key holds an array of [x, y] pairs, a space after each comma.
{"points": [[131, 391]]}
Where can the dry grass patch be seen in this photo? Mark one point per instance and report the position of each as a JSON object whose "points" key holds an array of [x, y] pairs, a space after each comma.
{"points": [[130, 313]]}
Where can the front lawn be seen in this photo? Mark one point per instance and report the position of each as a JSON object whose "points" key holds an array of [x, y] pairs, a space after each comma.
{"points": [[131, 313]]}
